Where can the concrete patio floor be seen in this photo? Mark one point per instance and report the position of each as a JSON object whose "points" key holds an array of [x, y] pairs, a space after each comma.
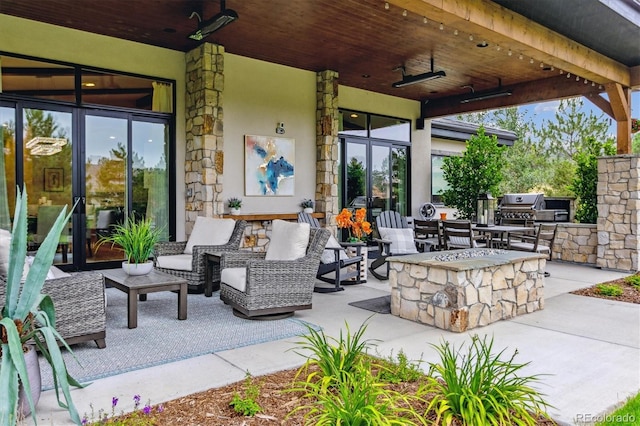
{"points": [[587, 348]]}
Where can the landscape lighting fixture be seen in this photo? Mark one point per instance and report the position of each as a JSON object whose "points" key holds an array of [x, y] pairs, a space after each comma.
{"points": [[489, 94], [222, 19], [413, 79]]}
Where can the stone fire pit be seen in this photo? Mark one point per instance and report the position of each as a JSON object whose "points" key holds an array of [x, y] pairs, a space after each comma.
{"points": [[458, 290]]}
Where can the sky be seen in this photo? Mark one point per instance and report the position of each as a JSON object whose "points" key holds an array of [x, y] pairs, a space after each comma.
{"points": [[546, 110]]}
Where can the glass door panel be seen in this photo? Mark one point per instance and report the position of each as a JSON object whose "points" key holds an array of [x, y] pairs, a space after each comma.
{"points": [[150, 174], [7, 166], [356, 162], [399, 181], [380, 180], [105, 183], [47, 174]]}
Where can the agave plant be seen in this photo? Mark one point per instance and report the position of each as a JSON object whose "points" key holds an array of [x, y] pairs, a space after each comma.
{"points": [[29, 316]]}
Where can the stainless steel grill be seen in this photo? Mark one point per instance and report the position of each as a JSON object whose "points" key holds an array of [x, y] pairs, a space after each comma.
{"points": [[530, 206]]}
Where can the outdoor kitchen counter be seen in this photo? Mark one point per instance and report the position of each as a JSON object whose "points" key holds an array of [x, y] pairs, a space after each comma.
{"points": [[458, 290]]}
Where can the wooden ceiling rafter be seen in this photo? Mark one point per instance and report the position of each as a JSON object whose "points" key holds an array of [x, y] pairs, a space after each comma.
{"points": [[499, 25]]}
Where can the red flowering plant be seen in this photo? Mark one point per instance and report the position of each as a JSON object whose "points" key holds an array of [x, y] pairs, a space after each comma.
{"points": [[635, 125], [355, 223]]}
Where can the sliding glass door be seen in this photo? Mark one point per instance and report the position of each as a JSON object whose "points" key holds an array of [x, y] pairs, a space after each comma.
{"points": [[374, 175], [106, 165]]}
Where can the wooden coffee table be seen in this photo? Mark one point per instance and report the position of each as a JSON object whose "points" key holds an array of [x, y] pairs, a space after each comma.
{"points": [[140, 285]]}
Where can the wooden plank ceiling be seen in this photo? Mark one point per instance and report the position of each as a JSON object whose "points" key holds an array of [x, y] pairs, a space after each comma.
{"points": [[478, 44]]}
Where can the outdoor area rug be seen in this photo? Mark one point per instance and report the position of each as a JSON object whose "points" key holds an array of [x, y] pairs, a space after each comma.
{"points": [[161, 338], [380, 305]]}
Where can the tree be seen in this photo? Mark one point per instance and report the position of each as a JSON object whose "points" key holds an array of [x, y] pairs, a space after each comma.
{"points": [[477, 171], [355, 179], [571, 130], [526, 163], [585, 183]]}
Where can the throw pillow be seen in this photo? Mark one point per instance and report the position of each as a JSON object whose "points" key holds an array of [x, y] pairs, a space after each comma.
{"points": [[5, 243], [329, 256], [209, 231], [289, 240], [402, 241]]}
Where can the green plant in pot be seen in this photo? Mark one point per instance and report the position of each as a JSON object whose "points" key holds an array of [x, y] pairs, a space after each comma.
{"points": [[137, 239], [28, 318]]}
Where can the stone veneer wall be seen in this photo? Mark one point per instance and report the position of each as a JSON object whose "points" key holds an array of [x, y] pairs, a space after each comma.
{"points": [[618, 219], [576, 242], [459, 295], [204, 158], [327, 127]]}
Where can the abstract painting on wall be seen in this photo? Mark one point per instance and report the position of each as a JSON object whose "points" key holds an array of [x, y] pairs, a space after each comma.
{"points": [[269, 165]]}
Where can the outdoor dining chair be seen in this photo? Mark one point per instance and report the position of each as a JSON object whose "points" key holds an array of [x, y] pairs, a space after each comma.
{"points": [[458, 234], [336, 266], [541, 242], [427, 235]]}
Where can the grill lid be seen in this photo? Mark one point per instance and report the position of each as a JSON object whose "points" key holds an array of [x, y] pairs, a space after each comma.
{"points": [[533, 201]]}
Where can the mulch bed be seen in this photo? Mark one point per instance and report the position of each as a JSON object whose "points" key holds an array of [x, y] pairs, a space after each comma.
{"points": [[631, 294]]}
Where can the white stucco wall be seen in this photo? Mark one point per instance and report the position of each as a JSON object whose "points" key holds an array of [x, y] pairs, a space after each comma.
{"points": [[257, 96]]}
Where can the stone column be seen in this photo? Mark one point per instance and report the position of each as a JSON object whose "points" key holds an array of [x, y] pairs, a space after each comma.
{"points": [[327, 126], [618, 207], [204, 132]]}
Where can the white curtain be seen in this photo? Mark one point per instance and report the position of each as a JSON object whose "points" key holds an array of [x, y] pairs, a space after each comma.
{"points": [[162, 97], [5, 218]]}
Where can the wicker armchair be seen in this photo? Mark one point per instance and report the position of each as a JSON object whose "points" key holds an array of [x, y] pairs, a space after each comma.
{"points": [[274, 288], [196, 277], [79, 303]]}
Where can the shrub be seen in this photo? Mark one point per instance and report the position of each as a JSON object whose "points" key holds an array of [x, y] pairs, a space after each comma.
{"points": [[634, 280], [610, 290], [399, 369], [479, 388], [355, 398], [477, 171], [334, 359], [247, 405]]}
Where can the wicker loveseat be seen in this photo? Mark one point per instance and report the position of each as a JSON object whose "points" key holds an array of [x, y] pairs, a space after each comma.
{"points": [[80, 306]]}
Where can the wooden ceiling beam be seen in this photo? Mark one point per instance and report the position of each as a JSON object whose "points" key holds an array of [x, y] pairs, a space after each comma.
{"points": [[619, 99], [635, 77], [525, 93], [510, 30]]}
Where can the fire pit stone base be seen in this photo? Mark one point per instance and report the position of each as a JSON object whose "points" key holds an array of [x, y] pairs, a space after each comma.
{"points": [[459, 290]]}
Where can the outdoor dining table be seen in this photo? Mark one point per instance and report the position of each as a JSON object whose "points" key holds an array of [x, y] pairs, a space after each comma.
{"points": [[497, 233]]}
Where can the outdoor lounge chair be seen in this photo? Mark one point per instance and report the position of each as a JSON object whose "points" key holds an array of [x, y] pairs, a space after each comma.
{"points": [[275, 283], [186, 259], [396, 238], [336, 267]]}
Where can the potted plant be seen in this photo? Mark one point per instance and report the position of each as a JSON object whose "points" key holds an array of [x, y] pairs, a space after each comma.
{"points": [[137, 239], [28, 320], [234, 205], [307, 205]]}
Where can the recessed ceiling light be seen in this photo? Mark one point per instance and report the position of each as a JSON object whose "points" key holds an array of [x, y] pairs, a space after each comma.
{"points": [[89, 84], [482, 44], [365, 76], [353, 115]]}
